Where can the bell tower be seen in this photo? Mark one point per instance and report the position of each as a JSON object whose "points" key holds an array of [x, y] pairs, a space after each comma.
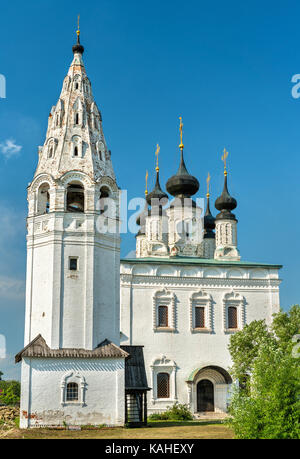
{"points": [[73, 246]]}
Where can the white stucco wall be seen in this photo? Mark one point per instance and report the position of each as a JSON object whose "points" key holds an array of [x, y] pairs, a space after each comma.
{"points": [[181, 351], [103, 399]]}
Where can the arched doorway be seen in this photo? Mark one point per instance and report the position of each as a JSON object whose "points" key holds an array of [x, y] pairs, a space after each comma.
{"points": [[205, 396]]}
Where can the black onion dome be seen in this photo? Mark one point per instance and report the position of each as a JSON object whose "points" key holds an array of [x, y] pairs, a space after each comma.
{"points": [[78, 48], [157, 193], [225, 203], [209, 223], [182, 183], [141, 219]]}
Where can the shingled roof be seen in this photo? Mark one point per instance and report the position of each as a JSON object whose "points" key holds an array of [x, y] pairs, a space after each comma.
{"points": [[135, 373], [38, 348]]}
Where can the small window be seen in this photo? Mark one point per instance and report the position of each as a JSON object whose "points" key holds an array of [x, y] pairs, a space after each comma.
{"points": [[163, 385], [163, 316], [76, 151], [77, 118], [73, 264], [232, 317], [72, 392], [76, 86], [199, 317]]}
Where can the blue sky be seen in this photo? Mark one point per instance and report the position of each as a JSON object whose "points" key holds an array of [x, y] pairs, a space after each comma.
{"points": [[226, 67]]}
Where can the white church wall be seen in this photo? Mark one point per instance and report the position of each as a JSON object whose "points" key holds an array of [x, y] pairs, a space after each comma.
{"points": [[255, 299], [101, 392]]}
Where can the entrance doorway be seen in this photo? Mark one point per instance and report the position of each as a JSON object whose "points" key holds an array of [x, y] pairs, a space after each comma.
{"points": [[205, 396]]}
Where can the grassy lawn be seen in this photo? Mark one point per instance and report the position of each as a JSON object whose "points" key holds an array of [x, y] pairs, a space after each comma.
{"points": [[155, 430]]}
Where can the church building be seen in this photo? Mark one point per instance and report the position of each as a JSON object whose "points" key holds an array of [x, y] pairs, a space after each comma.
{"points": [[100, 332]]}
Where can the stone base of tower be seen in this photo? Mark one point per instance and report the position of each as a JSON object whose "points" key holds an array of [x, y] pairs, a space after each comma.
{"points": [[58, 389]]}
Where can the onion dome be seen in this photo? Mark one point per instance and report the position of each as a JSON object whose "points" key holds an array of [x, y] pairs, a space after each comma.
{"points": [[209, 222], [157, 198], [78, 48], [141, 220], [225, 203], [182, 184], [157, 194]]}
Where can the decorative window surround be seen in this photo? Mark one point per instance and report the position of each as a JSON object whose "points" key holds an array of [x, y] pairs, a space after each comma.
{"points": [[73, 377], [236, 300], [164, 298], [164, 365], [201, 299]]}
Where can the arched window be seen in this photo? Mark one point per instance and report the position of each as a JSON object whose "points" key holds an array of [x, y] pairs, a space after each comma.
{"points": [[163, 385], [43, 201], [75, 198], [232, 317], [72, 392], [103, 202], [77, 119], [163, 320], [75, 151]]}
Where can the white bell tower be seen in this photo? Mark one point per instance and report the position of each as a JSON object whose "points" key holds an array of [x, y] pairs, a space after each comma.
{"points": [[72, 366], [73, 268]]}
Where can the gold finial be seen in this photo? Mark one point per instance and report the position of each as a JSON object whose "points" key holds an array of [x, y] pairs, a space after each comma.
{"points": [[147, 176], [157, 155], [78, 26], [181, 146], [208, 185], [224, 159]]}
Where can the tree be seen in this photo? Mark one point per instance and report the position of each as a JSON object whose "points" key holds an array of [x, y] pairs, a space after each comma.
{"points": [[10, 394], [270, 405], [8, 397], [1, 374]]}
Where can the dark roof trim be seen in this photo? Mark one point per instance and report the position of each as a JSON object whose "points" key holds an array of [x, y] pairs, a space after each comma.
{"points": [[38, 348], [135, 372]]}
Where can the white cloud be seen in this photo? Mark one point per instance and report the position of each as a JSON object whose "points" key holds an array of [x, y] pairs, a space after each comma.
{"points": [[10, 370], [9, 148], [11, 288]]}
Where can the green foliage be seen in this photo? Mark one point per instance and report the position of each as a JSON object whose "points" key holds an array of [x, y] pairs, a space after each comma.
{"points": [[10, 392], [17, 422], [1, 374], [269, 408], [177, 412]]}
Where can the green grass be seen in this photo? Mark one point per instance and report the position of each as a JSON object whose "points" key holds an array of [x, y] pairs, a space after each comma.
{"points": [[156, 430]]}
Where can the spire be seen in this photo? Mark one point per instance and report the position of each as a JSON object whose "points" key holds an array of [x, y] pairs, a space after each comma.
{"points": [[78, 48], [209, 220], [225, 203], [157, 192], [75, 139], [182, 184]]}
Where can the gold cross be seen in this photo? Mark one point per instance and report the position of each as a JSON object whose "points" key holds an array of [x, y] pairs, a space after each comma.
{"points": [[208, 184], [157, 155], [224, 159], [181, 146], [147, 176], [78, 28]]}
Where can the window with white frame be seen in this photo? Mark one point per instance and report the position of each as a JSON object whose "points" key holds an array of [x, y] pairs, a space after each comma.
{"points": [[164, 314], [73, 388], [233, 312], [201, 312], [164, 380]]}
